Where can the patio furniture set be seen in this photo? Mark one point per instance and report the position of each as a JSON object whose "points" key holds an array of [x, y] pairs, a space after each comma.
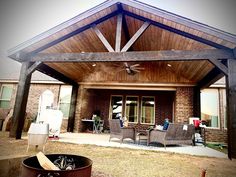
{"points": [[174, 135]]}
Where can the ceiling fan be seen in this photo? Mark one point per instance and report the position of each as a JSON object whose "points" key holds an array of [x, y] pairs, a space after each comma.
{"points": [[132, 69]]}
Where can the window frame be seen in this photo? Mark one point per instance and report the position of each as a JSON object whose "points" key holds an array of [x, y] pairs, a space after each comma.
{"points": [[1, 90], [224, 108], [59, 100], [137, 108], [218, 108], [110, 107], [142, 110]]}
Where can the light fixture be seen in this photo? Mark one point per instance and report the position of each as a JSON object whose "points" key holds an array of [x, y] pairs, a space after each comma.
{"points": [[169, 65], [94, 64]]}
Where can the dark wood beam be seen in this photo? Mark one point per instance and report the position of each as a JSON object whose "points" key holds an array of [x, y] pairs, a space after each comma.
{"points": [[213, 76], [33, 67], [135, 36], [219, 65], [118, 32], [55, 74], [124, 25], [103, 39], [73, 100], [196, 102], [176, 31], [75, 32], [21, 101], [231, 108], [169, 55]]}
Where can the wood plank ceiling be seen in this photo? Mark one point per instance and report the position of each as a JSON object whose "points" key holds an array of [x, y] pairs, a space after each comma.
{"points": [[153, 39]]}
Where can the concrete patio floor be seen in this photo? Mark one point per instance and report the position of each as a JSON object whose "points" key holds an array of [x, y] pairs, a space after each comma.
{"points": [[103, 140]]}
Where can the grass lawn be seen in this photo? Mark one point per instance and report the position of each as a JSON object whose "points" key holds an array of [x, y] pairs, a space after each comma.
{"points": [[218, 147], [120, 162]]}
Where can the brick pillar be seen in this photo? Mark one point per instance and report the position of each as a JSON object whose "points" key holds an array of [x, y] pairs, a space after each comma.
{"points": [[84, 107], [183, 104]]}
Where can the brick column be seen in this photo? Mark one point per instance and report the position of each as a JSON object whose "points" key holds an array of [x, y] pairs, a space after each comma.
{"points": [[183, 104]]}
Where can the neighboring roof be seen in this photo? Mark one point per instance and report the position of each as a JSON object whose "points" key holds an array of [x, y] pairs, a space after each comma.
{"points": [[10, 71]]}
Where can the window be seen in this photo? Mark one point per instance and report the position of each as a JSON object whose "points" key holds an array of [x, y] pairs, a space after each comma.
{"points": [[5, 96], [148, 110], [116, 107], [64, 100], [210, 107], [131, 108]]}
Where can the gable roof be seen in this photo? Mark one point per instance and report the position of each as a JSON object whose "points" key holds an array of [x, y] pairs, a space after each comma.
{"points": [[132, 9], [94, 32]]}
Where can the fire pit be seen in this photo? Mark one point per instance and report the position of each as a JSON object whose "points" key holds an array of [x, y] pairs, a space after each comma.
{"points": [[69, 165]]}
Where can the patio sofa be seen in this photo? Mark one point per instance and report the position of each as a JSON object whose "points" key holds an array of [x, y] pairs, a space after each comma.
{"points": [[175, 134]]}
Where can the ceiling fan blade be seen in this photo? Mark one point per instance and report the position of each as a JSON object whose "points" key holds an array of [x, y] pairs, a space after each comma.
{"points": [[139, 68], [135, 70], [135, 65], [126, 64]]}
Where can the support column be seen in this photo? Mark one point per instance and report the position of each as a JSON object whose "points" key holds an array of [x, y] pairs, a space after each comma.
{"points": [[231, 107], [21, 101], [71, 120], [196, 102]]}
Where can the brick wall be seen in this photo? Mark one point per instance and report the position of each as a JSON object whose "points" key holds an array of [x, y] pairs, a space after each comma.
{"points": [[35, 91], [216, 135], [33, 100], [183, 104], [90, 100]]}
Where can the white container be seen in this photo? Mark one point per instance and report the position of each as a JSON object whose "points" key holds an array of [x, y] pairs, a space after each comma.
{"points": [[54, 119], [38, 135]]}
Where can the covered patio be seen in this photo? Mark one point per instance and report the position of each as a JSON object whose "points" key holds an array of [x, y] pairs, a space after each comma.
{"points": [[133, 50], [103, 140]]}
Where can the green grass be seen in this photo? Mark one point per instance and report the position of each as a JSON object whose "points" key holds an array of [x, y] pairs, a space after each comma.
{"points": [[218, 147]]}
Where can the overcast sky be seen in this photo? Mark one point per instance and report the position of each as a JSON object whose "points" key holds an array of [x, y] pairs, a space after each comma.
{"points": [[21, 20]]}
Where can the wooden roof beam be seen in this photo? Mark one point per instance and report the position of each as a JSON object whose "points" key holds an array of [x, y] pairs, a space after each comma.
{"points": [[135, 36], [169, 55], [124, 25], [176, 31], [219, 65], [55, 74], [118, 32], [213, 76], [102, 39], [33, 67]]}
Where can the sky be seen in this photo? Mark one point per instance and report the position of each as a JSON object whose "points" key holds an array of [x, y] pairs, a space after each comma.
{"points": [[21, 20]]}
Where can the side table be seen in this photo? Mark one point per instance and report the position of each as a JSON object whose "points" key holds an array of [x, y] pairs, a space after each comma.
{"points": [[142, 135]]}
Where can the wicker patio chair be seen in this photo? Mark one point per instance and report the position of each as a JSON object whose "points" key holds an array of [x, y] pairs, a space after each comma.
{"points": [[116, 131], [175, 134]]}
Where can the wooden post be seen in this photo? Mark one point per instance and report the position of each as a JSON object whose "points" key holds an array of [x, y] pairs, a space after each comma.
{"points": [[71, 119], [21, 101], [196, 102], [231, 107]]}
